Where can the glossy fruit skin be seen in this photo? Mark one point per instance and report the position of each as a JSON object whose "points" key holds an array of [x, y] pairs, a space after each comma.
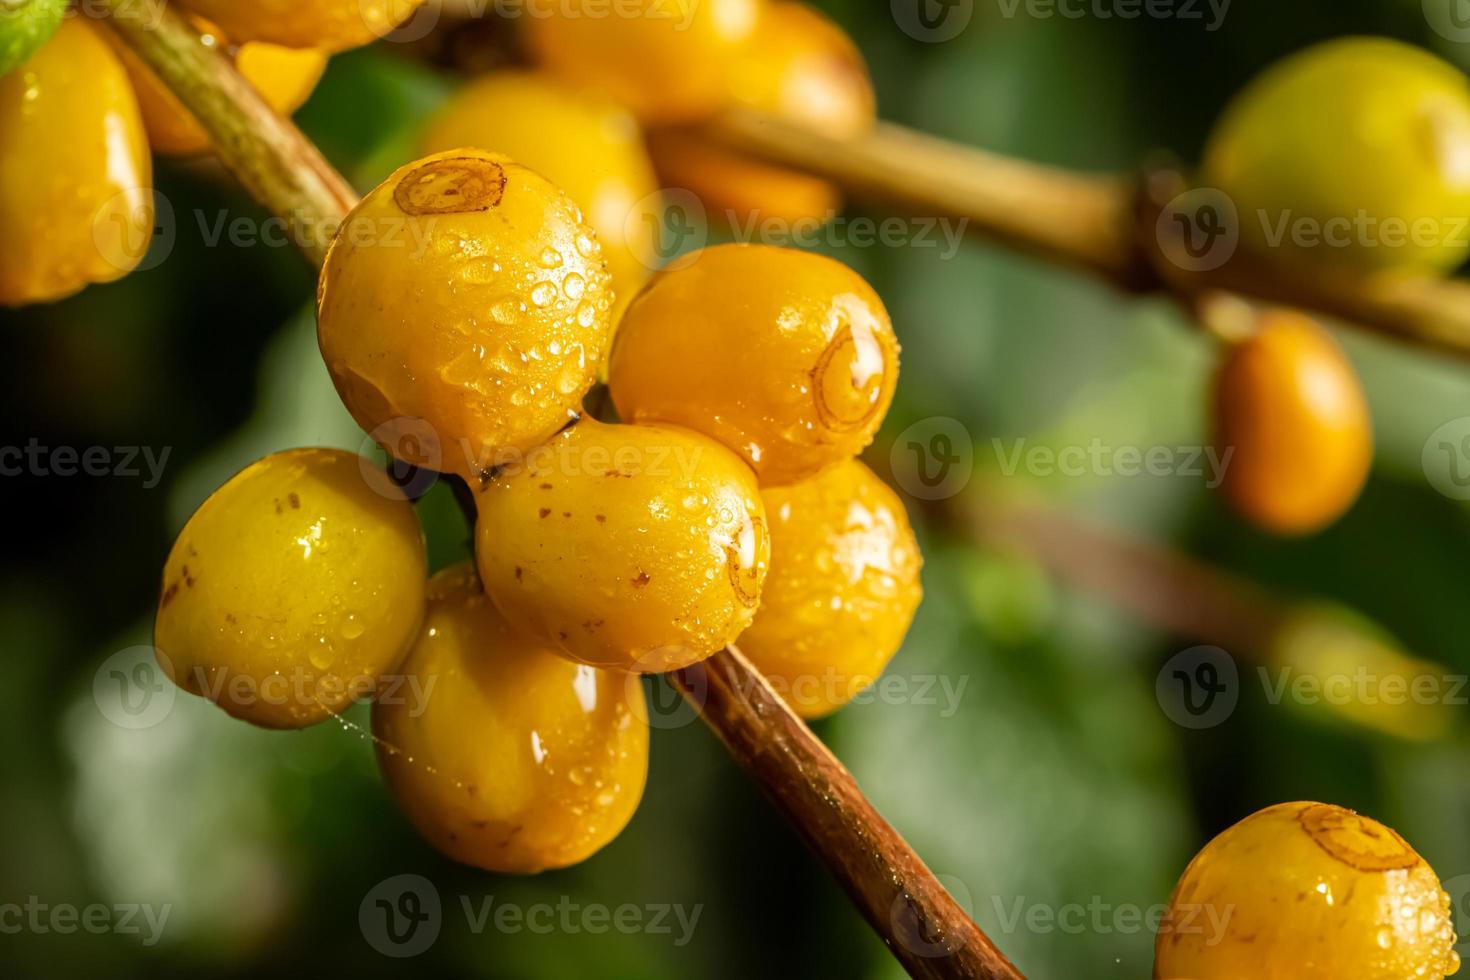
{"points": [[292, 589], [1353, 125], [26, 25], [786, 357], [802, 67], [332, 25], [467, 292], [630, 547], [1290, 410], [586, 144], [512, 759], [842, 590], [75, 200], [667, 60], [284, 76], [1307, 891]]}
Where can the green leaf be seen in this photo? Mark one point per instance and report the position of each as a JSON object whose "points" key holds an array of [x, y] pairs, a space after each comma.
{"points": [[25, 25]]}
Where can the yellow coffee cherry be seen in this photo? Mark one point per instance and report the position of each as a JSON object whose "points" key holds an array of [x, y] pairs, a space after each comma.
{"points": [[1363, 142], [1307, 891], [467, 292], [802, 67], [292, 589], [584, 143], [842, 590], [667, 60], [503, 754], [1290, 412], [633, 547], [333, 25], [786, 357], [76, 206], [284, 76]]}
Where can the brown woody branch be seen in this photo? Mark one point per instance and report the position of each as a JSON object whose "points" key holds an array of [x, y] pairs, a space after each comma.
{"points": [[902, 900]]}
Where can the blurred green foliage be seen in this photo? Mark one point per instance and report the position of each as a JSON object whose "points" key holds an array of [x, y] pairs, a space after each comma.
{"points": [[1053, 780]]}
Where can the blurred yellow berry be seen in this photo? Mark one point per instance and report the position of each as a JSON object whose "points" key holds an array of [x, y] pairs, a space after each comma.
{"points": [[667, 60], [503, 754], [76, 205], [292, 589], [332, 25], [464, 292], [1291, 414], [1353, 154], [842, 590], [632, 547], [581, 141], [284, 76], [799, 66], [1307, 891], [786, 357]]}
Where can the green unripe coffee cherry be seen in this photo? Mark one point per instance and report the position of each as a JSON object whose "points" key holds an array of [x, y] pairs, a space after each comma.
{"points": [[1352, 155], [25, 25]]}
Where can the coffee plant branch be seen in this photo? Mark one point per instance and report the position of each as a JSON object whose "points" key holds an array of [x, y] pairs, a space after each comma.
{"points": [[921, 923], [1107, 225]]}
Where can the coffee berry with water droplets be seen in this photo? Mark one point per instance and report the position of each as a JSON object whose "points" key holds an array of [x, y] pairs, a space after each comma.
{"points": [[786, 357], [292, 589], [1307, 891], [463, 311], [842, 589], [634, 547], [506, 756]]}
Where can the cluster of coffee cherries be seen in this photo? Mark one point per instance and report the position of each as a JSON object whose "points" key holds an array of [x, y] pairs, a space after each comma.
{"points": [[1307, 891], [610, 112], [79, 113], [728, 504], [1344, 162]]}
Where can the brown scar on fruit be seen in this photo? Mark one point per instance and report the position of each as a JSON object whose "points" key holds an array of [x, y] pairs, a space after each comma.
{"points": [[641, 580], [294, 499], [602, 518], [1356, 842], [518, 573], [545, 512], [168, 594], [459, 185], [842, 341], [545, 486]]}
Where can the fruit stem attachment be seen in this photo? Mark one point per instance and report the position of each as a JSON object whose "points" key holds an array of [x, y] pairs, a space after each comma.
{"points": [[273, 161], [923, 926], [918, 920], [1108, 225]]}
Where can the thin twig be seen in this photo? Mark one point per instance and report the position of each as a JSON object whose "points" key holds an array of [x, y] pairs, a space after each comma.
{"points": [[903, 901], [1105, 224], [924, 927], [278, 166]]}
